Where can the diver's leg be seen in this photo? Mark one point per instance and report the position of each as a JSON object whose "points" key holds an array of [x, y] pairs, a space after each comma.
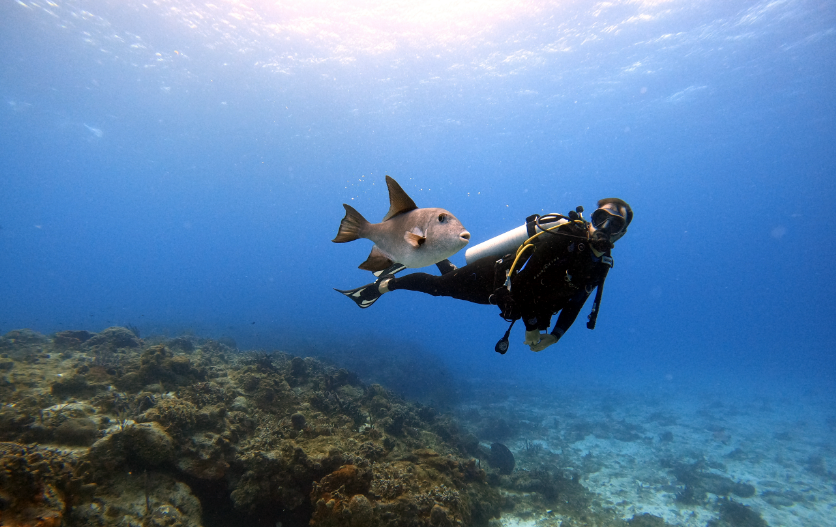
{"points": [[391, 270], [473, 283]]}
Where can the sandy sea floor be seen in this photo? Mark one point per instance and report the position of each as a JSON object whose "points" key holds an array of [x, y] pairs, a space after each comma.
{"points": [[675, 457]]}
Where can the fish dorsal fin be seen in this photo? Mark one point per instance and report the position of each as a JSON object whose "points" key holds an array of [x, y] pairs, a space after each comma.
{"points": [[398, 200]]}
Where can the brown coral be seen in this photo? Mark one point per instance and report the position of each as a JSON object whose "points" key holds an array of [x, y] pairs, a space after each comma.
{"points": [[264, 430], [38, 486]]}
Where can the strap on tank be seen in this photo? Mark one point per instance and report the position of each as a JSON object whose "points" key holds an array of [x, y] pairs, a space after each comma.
{"points": [[531, 224]]}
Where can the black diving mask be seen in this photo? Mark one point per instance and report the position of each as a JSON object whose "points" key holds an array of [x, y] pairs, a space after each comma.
{"points": [[605, 221]]}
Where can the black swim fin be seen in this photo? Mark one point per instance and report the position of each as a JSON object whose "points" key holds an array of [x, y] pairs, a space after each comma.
{"points": [[368, 294], [446, 266], [363, 296]]}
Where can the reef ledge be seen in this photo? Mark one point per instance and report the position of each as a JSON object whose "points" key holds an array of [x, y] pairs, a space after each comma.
{"points": [[108, 429]]}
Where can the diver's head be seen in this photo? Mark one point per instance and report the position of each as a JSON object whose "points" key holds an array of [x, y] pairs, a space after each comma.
{"points": [[609, 222]]}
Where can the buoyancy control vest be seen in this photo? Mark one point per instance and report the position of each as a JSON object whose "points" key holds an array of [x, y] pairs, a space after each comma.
{"points": [[514, 240]]}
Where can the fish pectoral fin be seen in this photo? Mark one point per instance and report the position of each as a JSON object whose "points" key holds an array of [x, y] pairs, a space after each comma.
{"points": [[377, 261], [414, 239]]}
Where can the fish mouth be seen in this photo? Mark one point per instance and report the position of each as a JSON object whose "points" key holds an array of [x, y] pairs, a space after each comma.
{"points": [[465, 236]]}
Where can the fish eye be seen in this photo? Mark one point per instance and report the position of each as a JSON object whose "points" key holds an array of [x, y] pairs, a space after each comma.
{"points": [[442, 218]]}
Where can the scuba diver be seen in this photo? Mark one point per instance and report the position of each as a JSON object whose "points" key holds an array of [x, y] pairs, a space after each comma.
{"points": [[549, 265]]}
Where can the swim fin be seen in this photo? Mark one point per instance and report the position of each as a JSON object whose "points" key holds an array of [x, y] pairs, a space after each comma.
{"points": [[363, 296]]}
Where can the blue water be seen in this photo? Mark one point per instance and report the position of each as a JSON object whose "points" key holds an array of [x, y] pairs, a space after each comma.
{"points": [[181, 167]]}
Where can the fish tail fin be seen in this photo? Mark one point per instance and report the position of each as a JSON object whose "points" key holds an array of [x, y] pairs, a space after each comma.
{"points": [[351, 226]]}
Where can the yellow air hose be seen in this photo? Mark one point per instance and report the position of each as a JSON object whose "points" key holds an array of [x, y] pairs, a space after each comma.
{"points": [[525, 246]]}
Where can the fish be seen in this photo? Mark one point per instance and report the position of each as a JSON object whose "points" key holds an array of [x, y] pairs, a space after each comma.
{"points": [[408, 236]]}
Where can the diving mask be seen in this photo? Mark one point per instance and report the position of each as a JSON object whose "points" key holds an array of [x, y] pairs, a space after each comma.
{"points": [[605, 221]]}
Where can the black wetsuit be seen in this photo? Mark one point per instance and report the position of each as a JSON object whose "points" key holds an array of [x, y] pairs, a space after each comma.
{"points": [[560, 274]]}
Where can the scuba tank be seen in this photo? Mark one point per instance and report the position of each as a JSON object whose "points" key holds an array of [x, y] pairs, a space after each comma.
{"points": [[508, 242]]}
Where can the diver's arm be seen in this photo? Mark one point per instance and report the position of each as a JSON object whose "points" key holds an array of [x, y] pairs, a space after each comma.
{"points": [[536, 320], [567, 316], [534, 325], [570, 312]]}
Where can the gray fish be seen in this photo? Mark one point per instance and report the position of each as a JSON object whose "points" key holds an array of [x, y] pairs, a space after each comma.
{"points": [[407, 235]]}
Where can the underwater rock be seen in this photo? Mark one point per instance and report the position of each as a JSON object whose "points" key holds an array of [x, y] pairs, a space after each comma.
{"points": [[733, 514], [817, 465], [562, 492], [180, 344], [540, 481], [361, 510], [113, 338], [76, 431], [139, 445], [698, 482], [646, 520], [501, 458], [450, 431], [298, 421], [38, 487], [211, 417], [204, 457], [176, 416], [347, 478], [371, 450], [143, 498], [240, 404], [298, 368], [72, 386], [229, 342], [14, 422], [784, 498], [281, 477], [159, 365], [440, 517], [22, 337], [66, 340]]}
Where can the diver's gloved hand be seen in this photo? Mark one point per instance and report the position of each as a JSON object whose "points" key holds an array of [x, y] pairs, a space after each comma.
{"points": [[532, 337], [545, 341]]}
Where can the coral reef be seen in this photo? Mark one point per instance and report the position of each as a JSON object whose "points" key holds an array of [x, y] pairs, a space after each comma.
{"points": [[100, 429], [733, 514], [39, 486], [107, 429], [698, 481]]}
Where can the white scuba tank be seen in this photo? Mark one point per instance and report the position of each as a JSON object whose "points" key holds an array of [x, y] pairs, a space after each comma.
{"points": [[508, 242]]}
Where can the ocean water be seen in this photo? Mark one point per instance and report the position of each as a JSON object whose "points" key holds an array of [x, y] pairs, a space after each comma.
{"points": [[181, 167]]}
